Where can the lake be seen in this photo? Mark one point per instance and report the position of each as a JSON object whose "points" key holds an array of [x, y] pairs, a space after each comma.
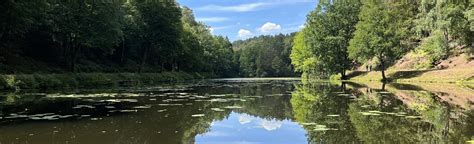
{"points": [[238, 111]]}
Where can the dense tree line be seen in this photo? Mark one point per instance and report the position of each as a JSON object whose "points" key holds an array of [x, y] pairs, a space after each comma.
{"points": [[264, 56], [340, 35], [108, 36]]}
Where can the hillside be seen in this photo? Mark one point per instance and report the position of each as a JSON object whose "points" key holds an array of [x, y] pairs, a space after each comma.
{"points": [[455, 68]]}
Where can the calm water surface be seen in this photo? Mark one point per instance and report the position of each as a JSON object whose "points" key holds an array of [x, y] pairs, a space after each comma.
{"points": [[276, 111]]}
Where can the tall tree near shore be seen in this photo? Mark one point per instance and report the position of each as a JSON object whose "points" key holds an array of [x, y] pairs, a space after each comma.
{"points": [[163, 31], [302, 58], [78, 24], [379, 33], [329, 29]]}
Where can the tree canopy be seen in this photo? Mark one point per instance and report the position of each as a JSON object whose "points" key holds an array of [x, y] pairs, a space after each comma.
{"points": [[115, 36], [342, 35], [325, 39], [265, 56]]}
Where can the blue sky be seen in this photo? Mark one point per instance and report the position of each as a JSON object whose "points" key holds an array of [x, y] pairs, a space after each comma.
{"points": [[241, 19]]}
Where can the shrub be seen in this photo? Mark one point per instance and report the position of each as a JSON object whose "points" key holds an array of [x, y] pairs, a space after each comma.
{"points": [[93, 79], [25, 82], [435, 46], [48, 81], [87, 80], [67, 80], [335, 77], [3, 82]]}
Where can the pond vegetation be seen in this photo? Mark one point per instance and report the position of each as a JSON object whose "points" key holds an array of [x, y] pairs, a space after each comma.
{"points": [[218, 110]]}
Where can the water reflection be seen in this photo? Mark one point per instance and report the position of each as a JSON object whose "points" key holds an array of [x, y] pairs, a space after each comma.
{"points": [[245, 128], [243, 111]]}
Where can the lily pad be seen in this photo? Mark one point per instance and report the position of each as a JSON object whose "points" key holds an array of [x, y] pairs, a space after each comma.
{"points": [[126, 111], [233, 107], [369, 114], [163, 110], [217, 109], [142, 107], [321, 129], [365, 106], [306, 123], [218, 100], [413, 117], [197, 115], [344, 94], [110, 107], [170, 104], [379, 112], [83, 106]]}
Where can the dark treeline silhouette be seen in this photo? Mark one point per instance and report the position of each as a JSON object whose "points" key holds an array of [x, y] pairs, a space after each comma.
{"points": [[108, 36]]}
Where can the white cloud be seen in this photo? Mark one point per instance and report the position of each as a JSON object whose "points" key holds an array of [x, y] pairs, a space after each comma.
{"points": [[216, 134], [271, 125], [213, 19], [244, 33], [269, 27], [252, 6], [302, 26], [236, 8], [211, 30], [244, 119]]}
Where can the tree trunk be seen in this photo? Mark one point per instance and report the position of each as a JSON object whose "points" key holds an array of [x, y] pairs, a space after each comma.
{"points": [[382, 64], [162, 66], [144, 57], [75, 53], [123, 51], [343, 75]]}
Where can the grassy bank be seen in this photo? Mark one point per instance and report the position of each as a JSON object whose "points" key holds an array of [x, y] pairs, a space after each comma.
{"points": [[89, 80], [465, 75]]}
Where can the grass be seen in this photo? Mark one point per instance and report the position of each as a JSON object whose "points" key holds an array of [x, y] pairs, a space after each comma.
{"points": [[89, 80], [465, 75]]}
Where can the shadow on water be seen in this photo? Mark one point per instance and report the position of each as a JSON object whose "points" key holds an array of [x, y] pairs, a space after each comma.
{"points": [[254, 110]]}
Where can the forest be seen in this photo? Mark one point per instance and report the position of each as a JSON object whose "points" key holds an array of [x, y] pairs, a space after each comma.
{"points": [[343, 35], [108, 36], [264, 56], [141, 36]]}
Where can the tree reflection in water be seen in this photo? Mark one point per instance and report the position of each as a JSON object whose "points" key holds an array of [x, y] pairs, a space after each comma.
{"points": [[328, 112]]}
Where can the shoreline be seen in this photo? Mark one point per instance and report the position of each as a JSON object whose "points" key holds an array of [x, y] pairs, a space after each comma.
{"points": [[44, 82], [458, 76]]}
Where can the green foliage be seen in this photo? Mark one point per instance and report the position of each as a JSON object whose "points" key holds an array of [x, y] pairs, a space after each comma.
{"points": [[88, 80], [434, 47], [330, 27], [450, 17], [25, 82], [321, 47], [300, 51], [108, 36], [380, 32], [335, 77], [265, 56], [470, 17]]}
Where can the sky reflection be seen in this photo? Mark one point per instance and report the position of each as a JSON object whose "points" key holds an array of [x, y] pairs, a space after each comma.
{"points": [[240, 128]]}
